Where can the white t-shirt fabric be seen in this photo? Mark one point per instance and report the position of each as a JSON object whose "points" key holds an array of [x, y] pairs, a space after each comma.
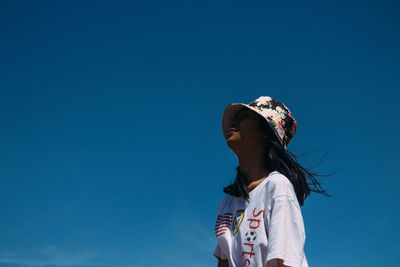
{"points": [[267, 227]]}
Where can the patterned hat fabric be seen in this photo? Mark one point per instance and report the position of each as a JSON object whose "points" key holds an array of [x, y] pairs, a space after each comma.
{"points": [[278, 116]]}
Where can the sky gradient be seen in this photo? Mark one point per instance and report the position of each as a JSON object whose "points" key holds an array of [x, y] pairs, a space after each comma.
{"points": [[112, 151]]}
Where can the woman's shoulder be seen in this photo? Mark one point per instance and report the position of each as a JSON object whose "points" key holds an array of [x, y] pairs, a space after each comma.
{"points": [[278, 184], [225, 201], [226, 206], [277, 178]]}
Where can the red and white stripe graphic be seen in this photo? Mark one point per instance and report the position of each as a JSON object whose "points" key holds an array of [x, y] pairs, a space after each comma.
{"points": [[223, 223]]}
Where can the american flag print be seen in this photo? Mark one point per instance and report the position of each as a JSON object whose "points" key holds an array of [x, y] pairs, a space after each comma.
{"points": [[222, 224]]}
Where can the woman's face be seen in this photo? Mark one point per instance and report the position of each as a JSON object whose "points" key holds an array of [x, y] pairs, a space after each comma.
{"points": [[245, 129]]}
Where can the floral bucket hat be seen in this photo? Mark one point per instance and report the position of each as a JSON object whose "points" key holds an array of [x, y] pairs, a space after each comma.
{"points": [[277, 115]]}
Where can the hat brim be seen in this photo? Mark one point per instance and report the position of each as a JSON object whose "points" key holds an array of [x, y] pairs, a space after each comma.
{"points": [[230, 112]]}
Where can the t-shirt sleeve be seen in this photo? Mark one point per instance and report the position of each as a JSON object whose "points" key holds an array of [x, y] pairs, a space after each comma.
{"points": [[218, 252], [285, 232]]}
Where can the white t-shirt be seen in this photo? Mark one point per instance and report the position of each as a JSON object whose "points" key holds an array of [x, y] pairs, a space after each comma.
{"points": [[267, 227]]}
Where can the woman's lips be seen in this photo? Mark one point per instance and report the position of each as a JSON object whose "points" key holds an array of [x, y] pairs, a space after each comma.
{"points": [[231, 131]]}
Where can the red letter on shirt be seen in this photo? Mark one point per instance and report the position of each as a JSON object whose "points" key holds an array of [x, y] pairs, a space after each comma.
{"points": [[251, 252], [256, 215], [254, 220]]}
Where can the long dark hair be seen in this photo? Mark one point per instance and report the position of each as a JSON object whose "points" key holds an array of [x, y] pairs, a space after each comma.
{"points": [[276, 157]]}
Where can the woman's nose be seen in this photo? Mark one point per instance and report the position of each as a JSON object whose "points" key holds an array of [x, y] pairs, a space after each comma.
{"points": [[234, 124]]}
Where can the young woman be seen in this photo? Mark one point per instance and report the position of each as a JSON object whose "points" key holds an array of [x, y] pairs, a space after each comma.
{"points": [[259, 221]]}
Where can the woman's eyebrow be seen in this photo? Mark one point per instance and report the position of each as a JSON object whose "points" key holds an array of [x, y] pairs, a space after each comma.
{"points": [[241, 115]]}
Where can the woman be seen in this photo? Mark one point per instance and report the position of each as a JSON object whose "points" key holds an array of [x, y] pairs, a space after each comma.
{"points": [[259, 222]]}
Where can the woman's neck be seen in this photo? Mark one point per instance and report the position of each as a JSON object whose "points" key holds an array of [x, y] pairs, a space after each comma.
{"points": [[253, 171], [251, 185]]}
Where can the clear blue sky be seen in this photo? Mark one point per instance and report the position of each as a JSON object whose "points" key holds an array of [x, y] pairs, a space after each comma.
{"points": [[112, 152]]}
